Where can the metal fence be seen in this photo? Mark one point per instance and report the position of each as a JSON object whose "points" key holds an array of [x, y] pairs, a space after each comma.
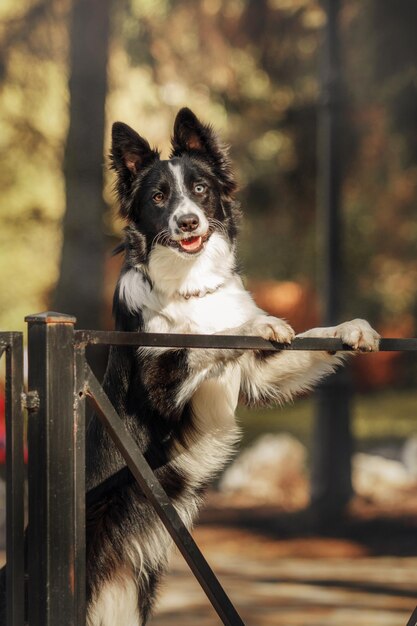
{"points": [[60, 382]]}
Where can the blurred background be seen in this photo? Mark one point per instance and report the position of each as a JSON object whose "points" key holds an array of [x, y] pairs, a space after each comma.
{"points": [[251, 68]]}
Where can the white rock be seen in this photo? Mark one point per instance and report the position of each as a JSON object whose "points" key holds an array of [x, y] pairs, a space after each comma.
{"points": [[409, 455], [380, 479], [272, 469]]}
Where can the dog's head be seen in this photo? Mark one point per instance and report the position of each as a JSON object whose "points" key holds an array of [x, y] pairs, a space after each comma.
{"points": [[178, 203]]}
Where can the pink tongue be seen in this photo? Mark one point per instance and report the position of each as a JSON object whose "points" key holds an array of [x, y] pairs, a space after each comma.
{"points": [[191, 244]]}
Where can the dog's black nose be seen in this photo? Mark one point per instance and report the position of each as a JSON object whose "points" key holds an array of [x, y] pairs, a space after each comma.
{"points": [[189, 222]]}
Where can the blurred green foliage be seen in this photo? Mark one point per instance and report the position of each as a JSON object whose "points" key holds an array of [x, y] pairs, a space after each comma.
{"points": [[377, 418], [249, 67]]}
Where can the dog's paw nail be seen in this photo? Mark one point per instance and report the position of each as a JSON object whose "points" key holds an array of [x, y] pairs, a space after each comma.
{"points": [[359, 336], [272, 329]]}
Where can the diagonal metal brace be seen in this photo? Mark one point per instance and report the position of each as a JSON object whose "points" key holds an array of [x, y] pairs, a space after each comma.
{"points": [[413, 619], [155, 493]]}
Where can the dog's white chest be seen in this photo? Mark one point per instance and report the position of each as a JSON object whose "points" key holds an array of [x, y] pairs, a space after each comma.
{"points": [[228, 307], [216, 399]]}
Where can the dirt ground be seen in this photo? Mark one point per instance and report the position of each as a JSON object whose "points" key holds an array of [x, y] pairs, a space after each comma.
{"points": [[286, 569]]}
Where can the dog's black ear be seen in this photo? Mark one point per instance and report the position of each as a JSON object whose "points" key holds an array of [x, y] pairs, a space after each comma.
{"points": [[130, 153], [190, 134], [193, 137]]}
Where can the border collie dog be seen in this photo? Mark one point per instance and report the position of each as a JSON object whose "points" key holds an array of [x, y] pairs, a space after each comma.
{"points": [[179, 276]]}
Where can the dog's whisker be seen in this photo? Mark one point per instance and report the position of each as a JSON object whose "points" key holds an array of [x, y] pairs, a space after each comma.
{"points": [[215, 224], [161, 238]]}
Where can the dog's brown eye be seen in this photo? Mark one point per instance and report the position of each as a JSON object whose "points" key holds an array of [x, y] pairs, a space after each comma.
{"points": [[158, 197]]}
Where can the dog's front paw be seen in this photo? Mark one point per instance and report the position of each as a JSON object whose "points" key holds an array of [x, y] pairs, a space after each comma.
{"points": [[270, 328], [359, 335]]}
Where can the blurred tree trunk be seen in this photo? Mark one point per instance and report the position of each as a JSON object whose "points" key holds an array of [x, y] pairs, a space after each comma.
{"points": [[395, 31], [331, 483], [79, 289]]}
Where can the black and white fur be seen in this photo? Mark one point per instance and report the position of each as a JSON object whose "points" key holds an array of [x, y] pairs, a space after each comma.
{"points": [[179, 276]]}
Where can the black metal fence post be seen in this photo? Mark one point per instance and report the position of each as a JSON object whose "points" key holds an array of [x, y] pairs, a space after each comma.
{"points": [[56, 516], [15, 481], [79, 482], [331, 485]]}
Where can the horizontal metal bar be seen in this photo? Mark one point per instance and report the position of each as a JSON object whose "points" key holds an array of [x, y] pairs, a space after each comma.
{"points": [[8, 335], [171, 340], [398, 345], [7, 338], [161, 503]]}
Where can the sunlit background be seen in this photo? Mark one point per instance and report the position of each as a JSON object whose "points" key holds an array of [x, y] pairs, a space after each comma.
{"points": [[251, 69]]}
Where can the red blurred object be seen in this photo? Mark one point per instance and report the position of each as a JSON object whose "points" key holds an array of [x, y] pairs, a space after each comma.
{"points": [[384, 369], [297, 303], [293, 301], [3, 430]]}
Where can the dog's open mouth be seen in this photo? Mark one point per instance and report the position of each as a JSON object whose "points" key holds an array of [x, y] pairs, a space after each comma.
{"points": [[193, 244]]}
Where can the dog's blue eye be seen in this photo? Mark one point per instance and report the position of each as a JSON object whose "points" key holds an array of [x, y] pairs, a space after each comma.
{"points": [[199, 188], [158, 197]]}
